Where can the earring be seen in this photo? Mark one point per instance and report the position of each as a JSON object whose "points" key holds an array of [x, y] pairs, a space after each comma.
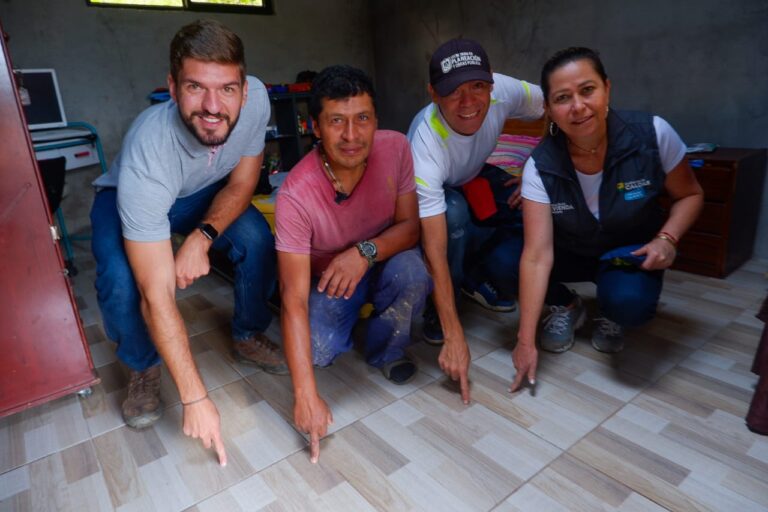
{"points": [[607, 109], [553, 129]]}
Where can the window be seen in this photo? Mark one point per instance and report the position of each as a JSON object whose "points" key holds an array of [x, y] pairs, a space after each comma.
{"points": [[244, 6]]}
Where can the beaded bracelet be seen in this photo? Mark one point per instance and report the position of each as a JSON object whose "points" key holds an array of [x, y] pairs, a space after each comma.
{"points": [[193, 402]]}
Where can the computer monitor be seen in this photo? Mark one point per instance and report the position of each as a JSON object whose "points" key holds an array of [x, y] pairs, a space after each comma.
{"points": [[41, 99]]}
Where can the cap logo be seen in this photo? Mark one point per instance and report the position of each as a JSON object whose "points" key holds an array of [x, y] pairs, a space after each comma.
{"points": [[459, 60]]}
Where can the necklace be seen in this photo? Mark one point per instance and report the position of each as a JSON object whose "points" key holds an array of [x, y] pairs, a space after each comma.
{"points": [[341, 194], [590, 151]]}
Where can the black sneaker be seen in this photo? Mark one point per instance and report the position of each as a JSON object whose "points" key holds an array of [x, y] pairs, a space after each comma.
{"points": [[400, 372], [431, 330]]}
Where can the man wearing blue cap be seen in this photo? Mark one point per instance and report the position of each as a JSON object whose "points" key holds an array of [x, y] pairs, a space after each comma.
{"points": [[467, 208]]}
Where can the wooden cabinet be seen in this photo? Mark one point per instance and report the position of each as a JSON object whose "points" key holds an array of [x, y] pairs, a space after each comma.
{"points": [[45, 354], [724, 234]]}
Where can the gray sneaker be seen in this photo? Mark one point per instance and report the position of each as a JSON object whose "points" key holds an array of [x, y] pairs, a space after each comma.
{"points": [[557, 333], [607, 336], [142, 407]]}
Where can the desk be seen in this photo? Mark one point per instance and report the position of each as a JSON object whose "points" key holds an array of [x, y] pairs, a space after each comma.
{"points": [[78, 142], [80, 145]]}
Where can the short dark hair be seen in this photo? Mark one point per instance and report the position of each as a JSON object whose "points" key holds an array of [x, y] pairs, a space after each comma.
{"points": [[208, 41], [335, 82], [566, 56]]}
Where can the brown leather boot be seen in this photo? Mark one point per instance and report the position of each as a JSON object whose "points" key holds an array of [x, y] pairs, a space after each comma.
{"points": [[258, 350], [142, 407]]}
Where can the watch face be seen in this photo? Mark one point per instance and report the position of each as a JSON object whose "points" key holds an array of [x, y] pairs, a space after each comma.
{"points": [[209, 231], [368, 249]]}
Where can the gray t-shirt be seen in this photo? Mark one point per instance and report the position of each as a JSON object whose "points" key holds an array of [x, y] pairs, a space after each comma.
{"points": [[161, 161]]}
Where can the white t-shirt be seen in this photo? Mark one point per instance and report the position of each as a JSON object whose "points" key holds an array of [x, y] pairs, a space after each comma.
{"points": [[443, 157], [671, 152]]}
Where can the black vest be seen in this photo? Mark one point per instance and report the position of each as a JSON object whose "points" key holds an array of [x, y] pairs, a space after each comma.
{"points": [[633, 178]]}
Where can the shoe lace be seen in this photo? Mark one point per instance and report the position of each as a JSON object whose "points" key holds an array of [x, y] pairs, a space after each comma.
{"points": [[608, 328], [557, 321], [141, 384], [266, 344], [487, 285]]}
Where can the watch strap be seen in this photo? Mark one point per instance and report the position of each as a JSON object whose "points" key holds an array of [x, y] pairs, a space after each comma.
{"points": [[210, 232]]}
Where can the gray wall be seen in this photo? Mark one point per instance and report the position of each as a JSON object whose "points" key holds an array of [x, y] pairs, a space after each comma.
{"points": [[702, 65], [108, 59]]}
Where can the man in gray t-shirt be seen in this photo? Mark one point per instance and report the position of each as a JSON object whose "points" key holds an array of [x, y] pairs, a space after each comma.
{"points": [[188, 166]]}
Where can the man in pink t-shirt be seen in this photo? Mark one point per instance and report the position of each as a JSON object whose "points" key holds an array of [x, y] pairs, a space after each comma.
{"points": [[347, 225]]}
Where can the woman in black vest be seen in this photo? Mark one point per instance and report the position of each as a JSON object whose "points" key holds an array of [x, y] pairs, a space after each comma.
{"points": [[591, 213]]}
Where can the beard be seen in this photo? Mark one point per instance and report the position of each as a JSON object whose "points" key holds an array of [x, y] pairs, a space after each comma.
{"points": [[207, 137]]}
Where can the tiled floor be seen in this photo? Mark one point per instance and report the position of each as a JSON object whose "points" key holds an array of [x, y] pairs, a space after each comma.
{"points": [[658, 427]]}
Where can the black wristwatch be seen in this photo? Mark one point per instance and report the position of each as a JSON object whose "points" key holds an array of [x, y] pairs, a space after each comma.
{"points": [[368, 251], [208, 231]]}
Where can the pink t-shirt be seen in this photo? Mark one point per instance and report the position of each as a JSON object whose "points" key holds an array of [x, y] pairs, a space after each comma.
{"points": [[308, 221]]}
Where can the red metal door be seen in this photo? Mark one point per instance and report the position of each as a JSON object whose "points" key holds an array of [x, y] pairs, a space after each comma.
{"points": [[43, 352]]}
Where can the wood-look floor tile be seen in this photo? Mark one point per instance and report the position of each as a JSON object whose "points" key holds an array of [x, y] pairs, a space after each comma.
{"points": [[759, 449], [473, 455], [52, 484], [657, 427], [41, 431], [14, 482], [574, 394], [119, 469], [568, 484], [253, 493], [708, 483], [351, 388], [372, 484], [79, 462], [289, 489]]}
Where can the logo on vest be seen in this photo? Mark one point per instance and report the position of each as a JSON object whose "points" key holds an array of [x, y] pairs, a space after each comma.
{"points": [[459, 60], [633, 190], [560, 208]]}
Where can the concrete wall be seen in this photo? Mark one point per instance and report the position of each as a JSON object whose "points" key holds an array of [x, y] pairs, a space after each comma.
{"points": [[108, 60], [702, 65]]}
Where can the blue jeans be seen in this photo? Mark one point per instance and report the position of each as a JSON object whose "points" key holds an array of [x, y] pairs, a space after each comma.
{"points": [[248, 244], [485, 250], [626, 295], [397, 288]]}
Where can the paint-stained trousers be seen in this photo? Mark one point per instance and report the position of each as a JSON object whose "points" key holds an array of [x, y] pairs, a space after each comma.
{"points": [[397, 288]]}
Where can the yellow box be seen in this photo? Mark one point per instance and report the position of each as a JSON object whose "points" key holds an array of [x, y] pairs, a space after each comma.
{"points": [[266, 205]]}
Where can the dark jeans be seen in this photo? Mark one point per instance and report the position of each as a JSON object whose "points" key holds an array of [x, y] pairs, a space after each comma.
{"points": [[247, 242], [626, 295], [485, 250], [397, 288]]}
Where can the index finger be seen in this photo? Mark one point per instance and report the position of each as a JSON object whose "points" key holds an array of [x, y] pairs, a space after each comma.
{"points": [[314, 447], [324, 278], [517, 382], [464, 384], [218, 445]]}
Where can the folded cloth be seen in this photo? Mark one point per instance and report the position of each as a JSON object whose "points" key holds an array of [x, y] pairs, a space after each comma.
{"points": [[623, 257]]}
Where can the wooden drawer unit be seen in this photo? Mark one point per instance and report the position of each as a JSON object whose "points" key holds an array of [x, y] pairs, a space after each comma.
{"points": [[724, 234]]}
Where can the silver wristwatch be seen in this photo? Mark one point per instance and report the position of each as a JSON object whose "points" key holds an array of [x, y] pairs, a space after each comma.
{"points": [[368, 251]]}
